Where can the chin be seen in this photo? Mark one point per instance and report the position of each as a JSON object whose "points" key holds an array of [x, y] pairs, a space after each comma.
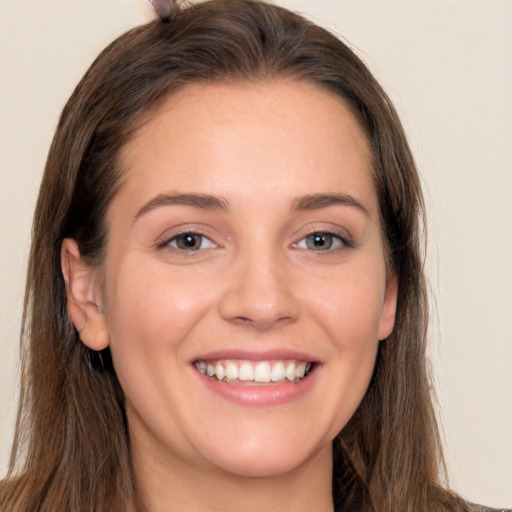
{"points": [[265, 456]]}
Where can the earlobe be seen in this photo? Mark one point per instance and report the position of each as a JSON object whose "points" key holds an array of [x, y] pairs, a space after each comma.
{"points": [[388, 312], [83, 297]]}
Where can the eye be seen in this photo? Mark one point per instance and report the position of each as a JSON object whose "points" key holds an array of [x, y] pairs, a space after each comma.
{"points": [[190, 242], [322, 241]]}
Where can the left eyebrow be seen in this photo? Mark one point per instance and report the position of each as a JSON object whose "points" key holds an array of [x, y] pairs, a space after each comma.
{"points": [[201, 201], [318, 201]]}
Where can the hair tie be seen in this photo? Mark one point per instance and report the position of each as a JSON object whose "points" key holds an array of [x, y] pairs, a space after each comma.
{"points": [[164, 9]]}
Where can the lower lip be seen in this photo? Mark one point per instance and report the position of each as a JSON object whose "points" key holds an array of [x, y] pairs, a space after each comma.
{"points": [[255, 395]]}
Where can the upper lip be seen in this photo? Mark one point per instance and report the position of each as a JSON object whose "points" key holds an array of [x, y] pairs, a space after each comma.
{"points": [[257, 355]]}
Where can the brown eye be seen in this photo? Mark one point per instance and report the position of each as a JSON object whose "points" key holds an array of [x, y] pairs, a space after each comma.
{"points": [[322, 241], [190, 242], [319, 241]]}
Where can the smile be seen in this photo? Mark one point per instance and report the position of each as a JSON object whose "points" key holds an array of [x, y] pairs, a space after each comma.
{"points": [[255, 372]]}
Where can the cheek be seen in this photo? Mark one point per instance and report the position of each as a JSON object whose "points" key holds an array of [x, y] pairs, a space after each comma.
{"points": [[350, 318], [349, 307], [152, 312], [152, 306]]}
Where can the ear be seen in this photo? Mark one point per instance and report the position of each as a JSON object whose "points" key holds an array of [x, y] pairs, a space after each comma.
{"points": [[83, 295], [388, 311]]}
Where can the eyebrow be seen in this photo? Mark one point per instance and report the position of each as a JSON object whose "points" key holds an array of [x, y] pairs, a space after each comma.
{"points": [[211, 202], [318, 201], [202, 201]]}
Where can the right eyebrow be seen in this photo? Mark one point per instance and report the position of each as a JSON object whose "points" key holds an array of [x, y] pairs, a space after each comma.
{"points": [[202, 201], [318, 201]]}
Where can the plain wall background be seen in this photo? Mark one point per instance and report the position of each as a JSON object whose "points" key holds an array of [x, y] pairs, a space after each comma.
{"points": [[446, 65]]}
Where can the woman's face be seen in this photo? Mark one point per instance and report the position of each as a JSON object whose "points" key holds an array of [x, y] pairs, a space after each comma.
{"points": [[244, 288]]}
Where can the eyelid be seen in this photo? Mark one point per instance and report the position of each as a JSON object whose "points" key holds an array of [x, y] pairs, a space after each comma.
{"points": [[210, 243], [339, 233], [165, 241]]}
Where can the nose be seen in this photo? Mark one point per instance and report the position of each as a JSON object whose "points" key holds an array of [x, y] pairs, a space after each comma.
{"points": [[260, 293]]}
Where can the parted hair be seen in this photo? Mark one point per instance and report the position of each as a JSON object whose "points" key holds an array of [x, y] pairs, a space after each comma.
{"points": [[71, 449]]}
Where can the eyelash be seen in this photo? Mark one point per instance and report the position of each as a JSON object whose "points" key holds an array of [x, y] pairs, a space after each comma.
{"points": [[342, 242], [168, 242]]}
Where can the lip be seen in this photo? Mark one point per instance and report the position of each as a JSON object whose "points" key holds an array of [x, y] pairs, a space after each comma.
{"points": [[252, 355], [259, 395]]}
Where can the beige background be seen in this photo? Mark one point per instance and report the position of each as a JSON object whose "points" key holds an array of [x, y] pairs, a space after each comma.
{"points": [[446, 64]]}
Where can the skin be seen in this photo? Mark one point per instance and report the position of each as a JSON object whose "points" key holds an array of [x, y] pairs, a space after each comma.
{"points": [[254, 285]]}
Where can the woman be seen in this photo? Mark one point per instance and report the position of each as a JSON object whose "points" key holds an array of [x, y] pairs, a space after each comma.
{"points": [[226, 306]]}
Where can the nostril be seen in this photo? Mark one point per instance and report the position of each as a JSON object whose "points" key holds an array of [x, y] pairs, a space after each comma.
{"points": [[258, 306], [262, 324]]}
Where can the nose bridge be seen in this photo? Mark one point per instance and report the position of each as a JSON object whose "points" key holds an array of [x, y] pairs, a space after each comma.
{"points": [[260, 289]]}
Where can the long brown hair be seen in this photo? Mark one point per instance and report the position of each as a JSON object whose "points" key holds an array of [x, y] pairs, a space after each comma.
{"points": [[71, 447]]}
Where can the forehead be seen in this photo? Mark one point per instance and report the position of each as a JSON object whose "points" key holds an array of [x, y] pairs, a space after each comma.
{"points": [[229, 137]]}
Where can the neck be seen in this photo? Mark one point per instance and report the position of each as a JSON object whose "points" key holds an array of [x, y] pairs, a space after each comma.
{"points": [[163, 487]]}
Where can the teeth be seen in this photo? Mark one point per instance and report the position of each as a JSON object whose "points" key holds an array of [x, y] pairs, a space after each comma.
{"points": [[246, 372], [262, 372], [278, 372], [253, 371], [219, 371], [300, 370], [231, 370], [290, 371]]}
